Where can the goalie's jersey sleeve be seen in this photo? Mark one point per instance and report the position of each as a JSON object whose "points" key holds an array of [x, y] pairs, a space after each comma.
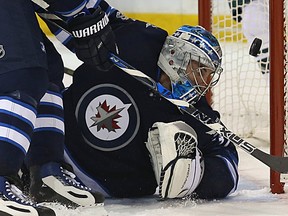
{"points": [[108, 115], [66, 10]]}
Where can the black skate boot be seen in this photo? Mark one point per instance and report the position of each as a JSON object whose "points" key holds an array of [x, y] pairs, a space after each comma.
{"points": [[52, 182]]}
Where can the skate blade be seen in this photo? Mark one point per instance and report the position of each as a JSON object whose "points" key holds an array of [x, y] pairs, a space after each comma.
{"points": [[15, 209], [76, 195]]}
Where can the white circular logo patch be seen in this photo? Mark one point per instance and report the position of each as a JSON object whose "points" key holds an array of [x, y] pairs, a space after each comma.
{"points": [[108, 117]]}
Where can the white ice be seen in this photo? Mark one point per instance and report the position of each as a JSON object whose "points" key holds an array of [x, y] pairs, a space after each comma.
{"points": [[253, 196]]}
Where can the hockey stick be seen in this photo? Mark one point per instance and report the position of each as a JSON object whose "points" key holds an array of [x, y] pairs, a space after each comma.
{"points": [[68, 71], [276, 163]]}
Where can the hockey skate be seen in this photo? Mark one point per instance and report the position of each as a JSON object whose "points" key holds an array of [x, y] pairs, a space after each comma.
{"points": [[14, 202], [53, 182]]}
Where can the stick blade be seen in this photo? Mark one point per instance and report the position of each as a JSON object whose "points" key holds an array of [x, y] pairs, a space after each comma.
{"points": [[276, 163]]}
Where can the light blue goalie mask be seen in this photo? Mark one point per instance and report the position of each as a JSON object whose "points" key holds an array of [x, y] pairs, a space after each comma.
{"points": [[191, 43]]}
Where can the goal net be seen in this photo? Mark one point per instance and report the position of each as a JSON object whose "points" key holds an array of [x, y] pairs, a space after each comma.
{"points": [[251, 95]]}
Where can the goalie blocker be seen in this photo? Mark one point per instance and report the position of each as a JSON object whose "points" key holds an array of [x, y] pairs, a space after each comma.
{"points": [[176, 159]]}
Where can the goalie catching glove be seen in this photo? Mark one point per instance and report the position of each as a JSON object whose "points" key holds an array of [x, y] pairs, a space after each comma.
{"points": [[94, 38], [177, 162]]}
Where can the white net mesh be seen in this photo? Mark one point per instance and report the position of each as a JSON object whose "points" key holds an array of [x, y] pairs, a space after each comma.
{"points": [[242, 95]]}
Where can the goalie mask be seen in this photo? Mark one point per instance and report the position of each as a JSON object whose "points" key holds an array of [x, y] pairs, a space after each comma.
{"points": [[191, 57]]}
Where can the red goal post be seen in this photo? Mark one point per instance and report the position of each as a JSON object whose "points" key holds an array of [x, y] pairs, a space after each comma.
{"points": [[277, 77]]}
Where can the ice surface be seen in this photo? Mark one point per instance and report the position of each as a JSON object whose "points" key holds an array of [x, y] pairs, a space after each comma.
{"points": [[253, 197]]}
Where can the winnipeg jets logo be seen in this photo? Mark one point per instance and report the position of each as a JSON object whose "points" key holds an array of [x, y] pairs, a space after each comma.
{"points": [[104, 122], [106, 117]]}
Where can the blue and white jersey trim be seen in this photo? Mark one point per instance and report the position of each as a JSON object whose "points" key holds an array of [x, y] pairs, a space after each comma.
{"points": [[18, 109], [74, 11], [15, 137], [52, 99], [12, 108], [233, 171], [51, 123]]}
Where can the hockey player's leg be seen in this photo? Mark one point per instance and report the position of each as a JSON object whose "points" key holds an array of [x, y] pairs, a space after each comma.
{"points": [[23, 81], [19, 110], [220, 178], [176, 159], [51, 180], [17, 120]]}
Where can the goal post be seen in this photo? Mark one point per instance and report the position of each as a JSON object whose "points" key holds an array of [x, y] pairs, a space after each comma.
{"points": [[251, 103], [277, 87]]}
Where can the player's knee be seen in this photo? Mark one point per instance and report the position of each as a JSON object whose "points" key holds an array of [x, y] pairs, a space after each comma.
{"points": [[219, 180], [31, 81]]}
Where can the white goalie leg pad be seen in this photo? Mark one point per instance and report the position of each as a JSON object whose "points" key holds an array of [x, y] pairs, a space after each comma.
{"points": [[177, 162]]}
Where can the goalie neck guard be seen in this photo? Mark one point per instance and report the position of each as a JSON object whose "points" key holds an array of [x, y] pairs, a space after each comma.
{"points": [[188, 44]]}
